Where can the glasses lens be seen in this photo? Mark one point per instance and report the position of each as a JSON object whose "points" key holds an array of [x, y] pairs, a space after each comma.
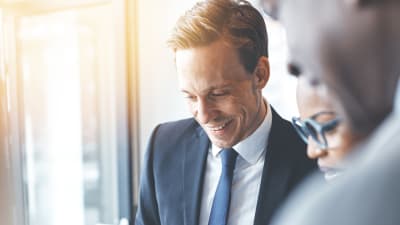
{"points": [[331, 125], [316, 135], [300, 129]]}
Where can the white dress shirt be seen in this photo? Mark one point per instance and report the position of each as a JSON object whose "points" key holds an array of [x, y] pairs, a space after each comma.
{"points": [[246, 179]]}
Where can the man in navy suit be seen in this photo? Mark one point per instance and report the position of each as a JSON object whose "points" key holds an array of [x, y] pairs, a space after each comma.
{"points": [[222, 63]]}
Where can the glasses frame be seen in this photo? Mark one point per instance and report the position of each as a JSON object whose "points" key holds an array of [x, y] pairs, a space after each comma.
{"points": [[301, 127]]}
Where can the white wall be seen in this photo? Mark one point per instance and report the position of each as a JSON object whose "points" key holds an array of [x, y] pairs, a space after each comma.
{"points": [[160, 99]]}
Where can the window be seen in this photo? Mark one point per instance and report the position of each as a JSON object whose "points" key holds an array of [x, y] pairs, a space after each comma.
{"points": [[68, 99]]}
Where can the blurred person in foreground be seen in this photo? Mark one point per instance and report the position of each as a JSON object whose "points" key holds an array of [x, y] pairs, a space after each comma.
{"points": [[328, 139], [353, 47], [236, 160]]}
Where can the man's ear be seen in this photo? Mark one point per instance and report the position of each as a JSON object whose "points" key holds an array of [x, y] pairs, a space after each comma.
{"points": [[262, 72], [271, 7]]}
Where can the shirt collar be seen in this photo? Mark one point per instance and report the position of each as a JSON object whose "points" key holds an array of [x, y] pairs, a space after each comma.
{"points": [[251, 148]]}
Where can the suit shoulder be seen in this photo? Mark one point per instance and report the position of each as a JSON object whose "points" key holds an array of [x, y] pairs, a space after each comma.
{"points": [[173, 133], [177, 128]]}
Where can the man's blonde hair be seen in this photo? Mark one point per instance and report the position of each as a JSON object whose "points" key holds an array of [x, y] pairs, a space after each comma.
{"points": [[236, 22]]}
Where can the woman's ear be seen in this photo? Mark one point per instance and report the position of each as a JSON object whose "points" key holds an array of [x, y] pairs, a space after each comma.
{"points": [[262, 72]]}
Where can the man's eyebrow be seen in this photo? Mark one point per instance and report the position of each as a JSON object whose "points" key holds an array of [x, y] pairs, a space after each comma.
{"points": [[214, 87], [185, 91], [219, 86]]}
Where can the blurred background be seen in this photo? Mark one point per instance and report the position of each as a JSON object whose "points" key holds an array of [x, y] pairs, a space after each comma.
{"points": [[82, 85]]}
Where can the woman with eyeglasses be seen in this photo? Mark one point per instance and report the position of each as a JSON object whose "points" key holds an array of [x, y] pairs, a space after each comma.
{"points": [[329, 140]]}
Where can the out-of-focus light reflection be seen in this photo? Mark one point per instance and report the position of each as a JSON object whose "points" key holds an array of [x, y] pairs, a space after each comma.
{"points": [[51, 67]]}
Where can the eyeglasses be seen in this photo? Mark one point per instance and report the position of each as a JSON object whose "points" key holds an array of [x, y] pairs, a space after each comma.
{"points": [[310, 127]]}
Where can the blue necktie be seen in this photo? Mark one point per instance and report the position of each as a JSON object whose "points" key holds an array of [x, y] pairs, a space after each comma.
{"points": [[220, 207]]}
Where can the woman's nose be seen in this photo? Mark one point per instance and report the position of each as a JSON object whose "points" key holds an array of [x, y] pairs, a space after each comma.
{"points": [[314, 151]]}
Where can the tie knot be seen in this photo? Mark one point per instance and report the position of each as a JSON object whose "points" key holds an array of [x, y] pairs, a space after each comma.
{"points": [[228, 157]]}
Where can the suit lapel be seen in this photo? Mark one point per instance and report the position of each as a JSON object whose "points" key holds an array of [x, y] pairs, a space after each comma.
{"points": [[194, 163], [276, 172]]}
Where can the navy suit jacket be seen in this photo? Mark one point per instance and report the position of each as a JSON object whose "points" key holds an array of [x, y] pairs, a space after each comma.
{"points": [[174, 165]]}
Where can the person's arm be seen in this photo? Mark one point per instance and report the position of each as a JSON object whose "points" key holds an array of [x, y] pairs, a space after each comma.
{"points": [[147, 212]]}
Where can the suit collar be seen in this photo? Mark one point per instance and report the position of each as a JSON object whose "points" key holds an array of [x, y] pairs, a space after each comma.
{"points": [[276, 172], [194, 162]]}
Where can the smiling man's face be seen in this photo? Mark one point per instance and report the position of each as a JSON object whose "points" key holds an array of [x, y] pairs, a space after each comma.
{"points": [[222, 96]]}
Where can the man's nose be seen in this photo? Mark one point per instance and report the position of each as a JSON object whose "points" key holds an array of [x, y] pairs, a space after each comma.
{"points": [[314, 151], [205, 111]]}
